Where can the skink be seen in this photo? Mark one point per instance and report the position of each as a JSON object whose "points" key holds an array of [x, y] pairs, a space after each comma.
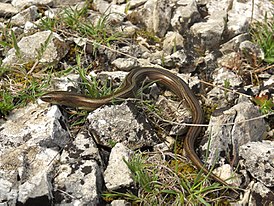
{"points": [[127, 89]]}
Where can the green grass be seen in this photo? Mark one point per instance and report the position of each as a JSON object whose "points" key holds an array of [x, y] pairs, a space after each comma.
{"points": [[25, 93], [262, 34], [75, 22], [159, 182]]}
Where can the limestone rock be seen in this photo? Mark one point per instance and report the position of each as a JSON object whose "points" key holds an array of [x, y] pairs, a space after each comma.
{"points": [[121, 123], [121, 178], [53, 51], [227, 139], [258, 160]]}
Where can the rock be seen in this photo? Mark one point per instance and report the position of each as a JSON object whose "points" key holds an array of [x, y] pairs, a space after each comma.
{"points": [[178, 59], [225, 78], [79, 173], [258, 160], [26, 3], [125, 64], [209, 33], [128, 29], [26, 174], [261, 195], [173, 42], [156, 16], [226, 139], [114, 13], [225, 172], [184, 15], [222, 74], [120, 203], [7, 10], [218, 8], [251, 52], [231, 61], [30, 14], [234, 43], [121, 178], [29, 27], [192, 81], [174, 111], [136, 3], [121, 123], [34, 125], [46, 52], [70, 83]]}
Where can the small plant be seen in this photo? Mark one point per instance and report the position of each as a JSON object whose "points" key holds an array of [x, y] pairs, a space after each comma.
{"points": [[227, 86], [15, 45], [21, 96], [6, 102], [262, 34], [163, 183], [265, 104], [91, 86]]}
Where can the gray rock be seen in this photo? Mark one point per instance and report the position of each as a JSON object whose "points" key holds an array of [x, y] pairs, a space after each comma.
{"points": [[128, 29], [26, 3], [121, 123], [192, 81], [252, 52], [261, 195], [125, 64], [184, 15], [218, 8], [222, 74], [30, 14], [120, 203], [26, 173], [118, 175], [156, 16], [29, 27], [258, 160], [234, 43], [136, 3], [178, 59], [114, 13], [36, 177], [7, 10], [53, 51], [79, 173], [231, 61], [218, 96], [174, 111], [173, 42], [70, 83], [209, 33], [227, 139], [34, 125]]}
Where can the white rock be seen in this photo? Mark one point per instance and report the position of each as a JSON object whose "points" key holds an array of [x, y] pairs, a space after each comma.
{"points": [[7, 10], [53, 51], [224, 137], [118, 175], [122, 123], [258, 160], [30, 14], [25, 3]]}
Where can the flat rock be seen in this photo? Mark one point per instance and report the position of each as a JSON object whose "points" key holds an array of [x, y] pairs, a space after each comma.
{"points": [[79, 173], [121, 123], [121, 178], [7, 10], [53, 50], [226, 139], [258, 160]]}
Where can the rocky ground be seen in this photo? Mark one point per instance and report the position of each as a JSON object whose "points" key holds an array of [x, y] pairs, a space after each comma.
{"points": [[51, 156]]}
